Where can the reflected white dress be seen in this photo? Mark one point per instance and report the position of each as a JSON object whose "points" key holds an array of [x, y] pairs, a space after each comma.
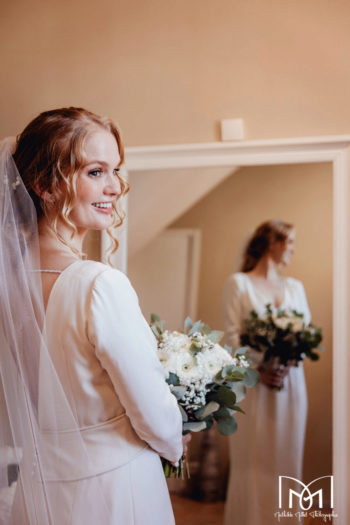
{"points": [[105, 355], [269, 441]]}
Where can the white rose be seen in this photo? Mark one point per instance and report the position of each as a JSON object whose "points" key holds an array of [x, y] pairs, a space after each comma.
{"points": [[174, 342], [214, 359], [297, 325], [281, 322]]}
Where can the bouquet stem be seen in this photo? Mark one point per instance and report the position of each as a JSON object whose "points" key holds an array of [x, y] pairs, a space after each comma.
{"points": [[170, 471]]}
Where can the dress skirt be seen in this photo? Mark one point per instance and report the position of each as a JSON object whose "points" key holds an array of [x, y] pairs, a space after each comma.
{"points": [[269, 443], [134, 494]]}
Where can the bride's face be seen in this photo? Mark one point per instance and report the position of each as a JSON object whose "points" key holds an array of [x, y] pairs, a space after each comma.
{"points": [[98, 185], [281, 252]]}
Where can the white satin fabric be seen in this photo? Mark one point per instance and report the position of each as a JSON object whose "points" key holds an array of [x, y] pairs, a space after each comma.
{"points": [[105, 356], [269, 441]]}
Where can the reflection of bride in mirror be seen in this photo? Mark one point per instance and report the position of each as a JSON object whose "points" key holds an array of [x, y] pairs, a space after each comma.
{"points": [[270, 438]]}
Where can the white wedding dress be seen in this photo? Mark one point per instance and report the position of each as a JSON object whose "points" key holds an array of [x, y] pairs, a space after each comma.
{"points": [[105, 355], [269, 441]]}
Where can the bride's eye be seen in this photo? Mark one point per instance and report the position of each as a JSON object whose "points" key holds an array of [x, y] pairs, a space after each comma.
{"points": [[116, 171], [95, 173]]}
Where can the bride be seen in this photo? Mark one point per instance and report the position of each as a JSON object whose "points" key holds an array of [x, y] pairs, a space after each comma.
{"points": [[85, 394], [270, 439]]}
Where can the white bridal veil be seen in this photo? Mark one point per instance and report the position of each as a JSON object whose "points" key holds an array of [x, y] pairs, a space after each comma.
{"points": [[38, 430]]}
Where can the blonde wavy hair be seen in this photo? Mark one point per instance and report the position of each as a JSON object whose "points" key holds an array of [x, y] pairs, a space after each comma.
{"points": [[265, 234], [49, 155]]}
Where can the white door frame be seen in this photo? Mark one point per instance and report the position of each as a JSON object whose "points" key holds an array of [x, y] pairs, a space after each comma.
{"points": [[333, 149]]}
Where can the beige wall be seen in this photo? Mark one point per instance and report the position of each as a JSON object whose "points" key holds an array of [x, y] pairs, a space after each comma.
{"points": [[301, 194], [168, 71]]}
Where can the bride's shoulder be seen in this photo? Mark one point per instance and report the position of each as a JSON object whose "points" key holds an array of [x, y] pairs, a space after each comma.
{"points": [[293, 283], [237, 280], [105, 280], [94, 274]]}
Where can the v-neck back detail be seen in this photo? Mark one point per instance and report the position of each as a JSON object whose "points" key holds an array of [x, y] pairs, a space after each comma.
{"points": [[62, 273]]}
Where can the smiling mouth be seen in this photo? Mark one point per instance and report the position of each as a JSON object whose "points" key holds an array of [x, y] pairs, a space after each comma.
{"points": [[103, 205]]}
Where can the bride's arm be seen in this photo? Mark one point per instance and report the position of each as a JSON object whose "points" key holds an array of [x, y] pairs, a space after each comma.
{"points": [[126, 348], [232, 313], [233, 319]]}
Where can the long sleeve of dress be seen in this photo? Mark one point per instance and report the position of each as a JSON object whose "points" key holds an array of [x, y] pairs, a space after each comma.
{"points": [[232, 313], [304, 308], [233, 317], [126, 348]]}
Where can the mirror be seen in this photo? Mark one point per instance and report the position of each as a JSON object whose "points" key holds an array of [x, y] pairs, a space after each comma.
{"points": [[179, 266]]}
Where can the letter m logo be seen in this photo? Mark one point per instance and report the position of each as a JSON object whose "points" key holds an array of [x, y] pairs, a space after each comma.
{"points": [[305, 497]]}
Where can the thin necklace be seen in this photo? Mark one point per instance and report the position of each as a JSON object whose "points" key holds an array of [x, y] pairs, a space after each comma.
{"points": [[47, 271]]}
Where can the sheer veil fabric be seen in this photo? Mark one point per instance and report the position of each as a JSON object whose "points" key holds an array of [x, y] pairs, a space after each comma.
{"points": [[36, 419]]}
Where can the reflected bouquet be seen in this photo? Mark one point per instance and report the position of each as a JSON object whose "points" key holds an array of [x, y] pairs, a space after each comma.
{"points": [[283, 336], [207, 381]]}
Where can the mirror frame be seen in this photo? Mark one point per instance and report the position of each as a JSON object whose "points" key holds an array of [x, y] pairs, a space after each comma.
{"points": [[333, 149]]}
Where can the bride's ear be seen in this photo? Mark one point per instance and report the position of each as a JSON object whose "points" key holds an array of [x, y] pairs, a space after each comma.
{"points": [[44, 195]]}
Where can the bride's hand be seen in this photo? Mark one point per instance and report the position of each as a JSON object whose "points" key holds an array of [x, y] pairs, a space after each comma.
{"points": [[185, 441], [273, 377]]}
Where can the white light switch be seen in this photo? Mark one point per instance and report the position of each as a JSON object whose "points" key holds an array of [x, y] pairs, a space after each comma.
{"points": [[232, 129]]}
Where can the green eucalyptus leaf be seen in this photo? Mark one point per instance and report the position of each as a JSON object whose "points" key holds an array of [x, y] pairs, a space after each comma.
{"points": [[239, 389], [314, 357], [196, 327], [215, 336], [194, 426], [251, 378], [241, 351], [188, 324], [155, 318], [227, 425], [254, 315], [183, 414], [219, 377], [227, 370], [203, 412], [155, 331], [225, 396], [178, 391], [222, 412], [209, 422], [233, 373], [173, 379], [237, 408], [205, 329]]}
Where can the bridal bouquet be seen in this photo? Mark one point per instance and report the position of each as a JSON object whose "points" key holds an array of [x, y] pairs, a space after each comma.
{"points": [[206, 380], [282, 336]]}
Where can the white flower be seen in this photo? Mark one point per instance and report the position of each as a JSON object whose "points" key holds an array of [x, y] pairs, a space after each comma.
{"points": [[281, 322], [172, 342], [179, 363], [242, 361], [297, 325], [196, 361]]}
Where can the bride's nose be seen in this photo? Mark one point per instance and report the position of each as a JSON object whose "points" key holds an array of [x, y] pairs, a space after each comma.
{"points": [[112, 186]]}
